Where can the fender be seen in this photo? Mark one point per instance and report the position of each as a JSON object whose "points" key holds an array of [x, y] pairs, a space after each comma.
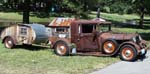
{"points": [[66, 41], [128, 43], [14, 39], [62, 39]]}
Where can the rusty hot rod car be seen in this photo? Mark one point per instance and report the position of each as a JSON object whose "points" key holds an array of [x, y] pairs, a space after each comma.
{"points": [[91, 37]]}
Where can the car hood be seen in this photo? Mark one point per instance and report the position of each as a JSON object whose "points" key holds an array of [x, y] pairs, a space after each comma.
{"points": [[118, 36]]}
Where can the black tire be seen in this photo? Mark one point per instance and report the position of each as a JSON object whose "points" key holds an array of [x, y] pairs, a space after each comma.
{"points": [[61, 48], [109, 46], [9, 43], [128, 53]]}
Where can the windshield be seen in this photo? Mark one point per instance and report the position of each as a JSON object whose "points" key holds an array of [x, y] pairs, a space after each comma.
{"points": [[104, 27]]}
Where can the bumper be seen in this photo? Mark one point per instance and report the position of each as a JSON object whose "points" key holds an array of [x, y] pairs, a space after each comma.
{"points": [[143, 51]]}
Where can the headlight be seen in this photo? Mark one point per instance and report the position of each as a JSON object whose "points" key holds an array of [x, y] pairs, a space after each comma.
{"points": [[140, 38], [134, 39]]}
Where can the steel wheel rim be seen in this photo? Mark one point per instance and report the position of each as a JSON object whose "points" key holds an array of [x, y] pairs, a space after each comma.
{"points": [[8, 43], [127, 53], [61, 49], [109, 47]]}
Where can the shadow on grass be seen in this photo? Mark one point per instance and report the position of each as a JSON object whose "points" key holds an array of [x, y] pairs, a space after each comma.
{"points": [[31, 47]]}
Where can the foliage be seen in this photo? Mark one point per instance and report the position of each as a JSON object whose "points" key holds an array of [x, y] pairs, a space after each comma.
{"points": [[142, 8], [42, 8]]}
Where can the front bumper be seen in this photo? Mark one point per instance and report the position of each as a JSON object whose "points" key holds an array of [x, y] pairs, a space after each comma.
{"points": [[143, 51], [145, 46]]}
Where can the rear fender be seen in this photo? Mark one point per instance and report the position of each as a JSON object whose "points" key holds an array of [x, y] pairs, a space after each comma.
{"points": [[64, 40], [13, 38]]}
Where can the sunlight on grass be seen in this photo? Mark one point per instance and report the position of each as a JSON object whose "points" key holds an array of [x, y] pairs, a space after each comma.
{"points": [[117, 17], [17, 17], [44, 61]]}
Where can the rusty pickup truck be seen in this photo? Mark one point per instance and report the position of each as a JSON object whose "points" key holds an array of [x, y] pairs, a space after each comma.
{"points": [[93, 37]]}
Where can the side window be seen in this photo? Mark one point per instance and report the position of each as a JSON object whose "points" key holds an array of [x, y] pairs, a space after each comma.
{"points": [[87, 28], [60, 32], [104, 28], [60, 29], [23, 31]]}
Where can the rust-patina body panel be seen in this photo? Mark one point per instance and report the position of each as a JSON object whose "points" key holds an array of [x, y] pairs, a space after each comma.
{"points": [[88, 36]]}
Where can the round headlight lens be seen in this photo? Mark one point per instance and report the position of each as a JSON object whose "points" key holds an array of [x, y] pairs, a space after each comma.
{"points": [[140, 38], [134, 39]]}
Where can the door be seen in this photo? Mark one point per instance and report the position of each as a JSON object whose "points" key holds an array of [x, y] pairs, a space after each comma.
{"points": [[87, 39], [24, 34]]}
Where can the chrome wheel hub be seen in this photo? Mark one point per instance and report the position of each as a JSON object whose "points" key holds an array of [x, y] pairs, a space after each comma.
{"points": [[109, 45], [60, 49], [128, 53]]}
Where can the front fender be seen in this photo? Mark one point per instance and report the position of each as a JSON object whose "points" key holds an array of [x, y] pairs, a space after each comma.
{"points": [[130, 43], [127, 43]]}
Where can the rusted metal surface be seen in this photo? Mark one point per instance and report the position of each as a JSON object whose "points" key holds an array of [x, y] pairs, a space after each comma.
{"points": [[26, 33], [61, 22], [53, 40], [88, 37]]}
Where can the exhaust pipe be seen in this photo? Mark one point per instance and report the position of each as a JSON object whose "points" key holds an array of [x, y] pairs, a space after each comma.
{"points": [[98, 13]]}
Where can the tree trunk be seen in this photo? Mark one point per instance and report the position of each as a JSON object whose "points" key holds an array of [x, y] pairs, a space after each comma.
{"points": [[26, 17], [26, 11], [141, 19]]}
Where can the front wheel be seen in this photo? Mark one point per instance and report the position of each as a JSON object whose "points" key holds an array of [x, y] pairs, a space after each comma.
{"points": [[9, 43], [128, 53], [61, 48]]}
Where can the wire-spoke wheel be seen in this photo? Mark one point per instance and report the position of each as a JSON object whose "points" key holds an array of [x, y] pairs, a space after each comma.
{"points": [[128, 53]]}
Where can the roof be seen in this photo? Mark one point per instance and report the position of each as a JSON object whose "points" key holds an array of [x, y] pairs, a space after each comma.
{"points": [[60, 21], [65, 22], [91, 22]]}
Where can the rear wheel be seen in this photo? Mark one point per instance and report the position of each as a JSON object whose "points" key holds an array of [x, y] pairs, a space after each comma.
{"points": [[128, 53], [109, 46], [61, 48], [9, 43]]}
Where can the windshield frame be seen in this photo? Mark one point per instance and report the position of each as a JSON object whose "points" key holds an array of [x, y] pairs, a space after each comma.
{"points": [[99, 27]]}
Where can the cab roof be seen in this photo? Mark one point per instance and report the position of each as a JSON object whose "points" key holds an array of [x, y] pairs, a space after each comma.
{"points": [[66, 22]]}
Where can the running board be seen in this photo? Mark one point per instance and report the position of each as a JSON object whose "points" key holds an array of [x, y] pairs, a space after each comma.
{"points": [[98, 54]]}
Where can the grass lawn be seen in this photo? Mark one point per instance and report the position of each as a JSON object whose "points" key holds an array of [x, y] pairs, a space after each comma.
{"points": [[16, 17], [41, 60]]}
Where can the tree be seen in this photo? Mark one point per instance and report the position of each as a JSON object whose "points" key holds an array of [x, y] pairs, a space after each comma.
{"points": [[25, 6], [142, 8]]}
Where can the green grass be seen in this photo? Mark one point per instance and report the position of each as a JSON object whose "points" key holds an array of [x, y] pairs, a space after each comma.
{"points": [[117, 17], [41, 60], [16, 17]]}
